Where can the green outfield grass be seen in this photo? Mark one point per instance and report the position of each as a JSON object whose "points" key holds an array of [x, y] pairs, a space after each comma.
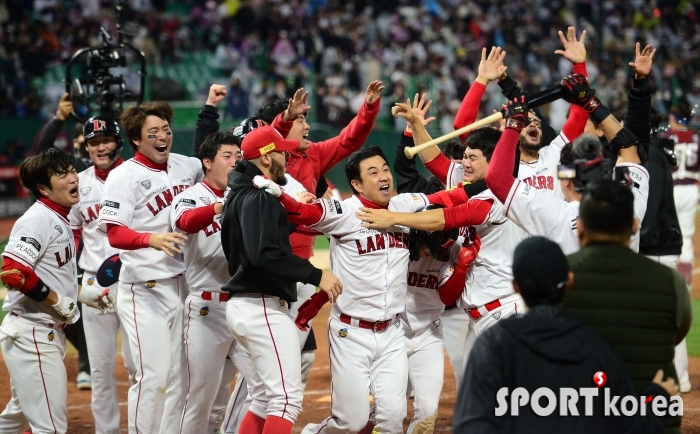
{"points": [[693, 338], [322, 243]]}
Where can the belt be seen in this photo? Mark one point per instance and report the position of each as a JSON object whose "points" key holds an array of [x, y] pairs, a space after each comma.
{"points": [[215, 296], [49, 325], [377, 326], [478, 312]]}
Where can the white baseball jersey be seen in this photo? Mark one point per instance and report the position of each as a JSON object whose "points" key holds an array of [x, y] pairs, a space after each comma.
{"points": [[640, 189], [541, 214], [139, 197], [490, 275], [542, 173], [42, 239], [207, 267], [423, 305], [293, 187], [371, 263], [84, 215]]}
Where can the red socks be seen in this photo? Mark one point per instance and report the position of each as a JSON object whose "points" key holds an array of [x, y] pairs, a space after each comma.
{"points": [[252, 424], [277, 425]]}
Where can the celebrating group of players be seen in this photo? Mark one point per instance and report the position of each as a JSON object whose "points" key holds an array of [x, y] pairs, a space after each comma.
{"points": [[203, 289]]}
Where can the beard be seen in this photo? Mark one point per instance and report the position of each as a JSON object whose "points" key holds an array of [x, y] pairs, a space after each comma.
{"points": [[277, 172], [530, 147]]}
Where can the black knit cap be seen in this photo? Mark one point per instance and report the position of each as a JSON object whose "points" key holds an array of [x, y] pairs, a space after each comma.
{"points": [[540, 268]]}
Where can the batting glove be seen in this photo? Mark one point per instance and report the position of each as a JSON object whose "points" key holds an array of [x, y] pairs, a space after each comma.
{"points": [[222, 200], [467, 254], [97, 298], [309, 309], [66, 307], [579, 92], [516, 113], [268, 185]]}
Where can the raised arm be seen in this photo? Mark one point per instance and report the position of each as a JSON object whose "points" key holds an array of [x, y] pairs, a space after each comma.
{"points": [[575, 52], [408, 180], [638, 118], [491, 68], [53, 127], [207, 121]]}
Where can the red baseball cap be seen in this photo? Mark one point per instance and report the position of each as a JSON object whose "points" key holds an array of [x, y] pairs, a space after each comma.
{"points": [[264, 140]]}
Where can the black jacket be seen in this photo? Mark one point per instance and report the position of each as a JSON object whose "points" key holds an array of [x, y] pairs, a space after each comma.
{"points": [[255, 239], [207, 123], [48, 137], [545, 347], [661, 232]]}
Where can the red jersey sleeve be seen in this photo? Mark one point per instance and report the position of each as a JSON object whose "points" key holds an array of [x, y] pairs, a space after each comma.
{"points": [[283, 127], [472, 213], [301, 213], [469, 109], [196, 219], [121, 237], [439, 166], [350, 139]]}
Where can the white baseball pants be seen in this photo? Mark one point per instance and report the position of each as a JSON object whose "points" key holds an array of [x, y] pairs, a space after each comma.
{"points": [[208, 341], [151, 316], [686, 199], [101, 338], [262, 325], [455, 325], [426, 369], [510, 305], [364, 362], [33, 355]]}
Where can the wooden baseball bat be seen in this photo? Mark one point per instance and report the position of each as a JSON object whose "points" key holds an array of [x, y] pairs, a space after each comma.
{"points": [[539, 99], [412, 151]]}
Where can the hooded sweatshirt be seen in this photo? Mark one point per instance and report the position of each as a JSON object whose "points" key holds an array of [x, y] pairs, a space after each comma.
{"points": [[545, 347]]}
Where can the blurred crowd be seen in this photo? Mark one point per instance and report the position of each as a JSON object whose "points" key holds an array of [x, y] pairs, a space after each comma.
{"points": [[270, 47]]}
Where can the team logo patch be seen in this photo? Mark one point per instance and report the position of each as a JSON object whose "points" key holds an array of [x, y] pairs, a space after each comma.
{"points": [[343, 332], [151, 284], [496, 315], [146, 184], [205, 200], [282, 302], [204, 311], [59, 229], [91, 280], [51, 336], [31, 241], [415, 196], [85, 191], [437, 322], [109, 204]]}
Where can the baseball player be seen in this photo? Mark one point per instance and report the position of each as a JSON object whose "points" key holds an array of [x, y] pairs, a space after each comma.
{"points": [[454, 321], [538, 163], [264, 274], [436, 278], [40, 273], [135, 214], [686, 176], [489, 297], [103, 144], [367, 348], [539, 214], [208, 341]]}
